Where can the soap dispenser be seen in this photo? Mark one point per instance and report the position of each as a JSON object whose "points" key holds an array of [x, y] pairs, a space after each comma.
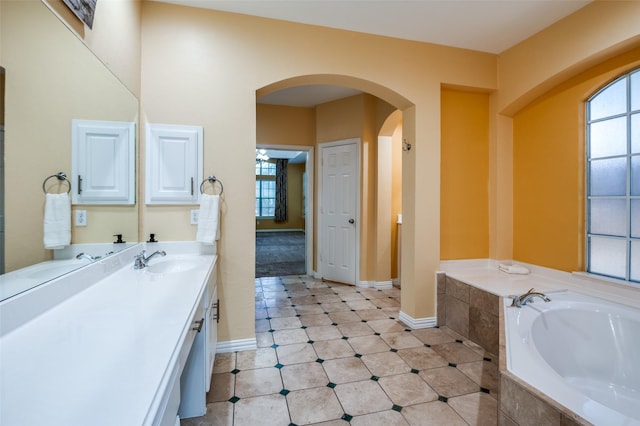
{"points": [[118, 239], [152, 238]]}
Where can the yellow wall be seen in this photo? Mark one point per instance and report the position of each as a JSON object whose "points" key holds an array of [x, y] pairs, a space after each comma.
{"points": [[549, 164], [464, 209]]}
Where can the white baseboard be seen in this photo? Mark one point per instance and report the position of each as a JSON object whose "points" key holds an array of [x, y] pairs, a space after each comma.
{"points": [[363, 284], [416, 323], [236, 345], [381, 285]]}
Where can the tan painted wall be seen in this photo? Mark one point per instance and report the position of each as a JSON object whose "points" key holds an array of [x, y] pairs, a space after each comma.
{"points": [[52, 78], [549, 164], [235, 55], [464, 209]]}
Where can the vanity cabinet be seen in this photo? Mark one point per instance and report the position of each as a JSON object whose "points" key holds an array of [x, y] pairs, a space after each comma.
{"points": [[173, 169], [196, 377], [103, 162]]}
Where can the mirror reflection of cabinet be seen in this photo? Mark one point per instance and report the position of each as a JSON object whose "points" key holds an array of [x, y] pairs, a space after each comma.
{"points": [[103, 162], [173, 164]]}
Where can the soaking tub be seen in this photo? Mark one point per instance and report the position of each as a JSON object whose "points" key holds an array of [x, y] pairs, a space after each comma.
{"points": [[581, 351]]}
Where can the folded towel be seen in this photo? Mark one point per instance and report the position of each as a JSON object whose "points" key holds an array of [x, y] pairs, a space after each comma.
{"points": [[57, 221], [513, 269], [209, 219]]}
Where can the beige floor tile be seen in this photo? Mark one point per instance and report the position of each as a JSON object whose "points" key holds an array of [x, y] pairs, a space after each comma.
{"points": [[261, 381], [318, 290], [218, 414], [372, 314], [303, 300], [303, 376], [386, 326], [344, 370], [401, 340], [333, 423], [323, 332], [407, 389], [281, 294], [422, 358], [348, 296], [342, 288], [315, 320], [456, 353], [263, 325], [277, 303], [289, 337], [432, 413], [296, 353], [335, 307], [343, 317], [328, 298], [331, 349], [362, 397], [299, 293], [382, 418], [368, 344], [385, 364], [224, 362], [261, 313], [483, 373], [360, 304], [478, 409], [372, 293], [433, 336], [286, 311], [261, 410], [285, 323], [263, 339], [449, 381], [355, 329], [222, 387], [385, 302], [309, 309], [259, 358], [313, 405]]}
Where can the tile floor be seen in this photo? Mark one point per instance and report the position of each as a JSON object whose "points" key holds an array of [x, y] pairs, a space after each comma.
{"points": [[331, 354]]}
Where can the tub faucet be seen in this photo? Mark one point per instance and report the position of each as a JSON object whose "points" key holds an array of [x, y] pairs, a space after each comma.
{"points": [[520, 301], [141, 261]]}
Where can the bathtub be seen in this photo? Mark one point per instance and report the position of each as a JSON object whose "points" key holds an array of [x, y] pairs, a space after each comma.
{"points": [[581, 351]]}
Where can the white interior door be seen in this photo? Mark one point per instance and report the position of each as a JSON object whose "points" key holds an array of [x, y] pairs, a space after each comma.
{"points": [[340, 195]]}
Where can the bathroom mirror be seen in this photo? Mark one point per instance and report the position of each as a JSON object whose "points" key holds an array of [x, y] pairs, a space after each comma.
{"points": [[51, 78]]}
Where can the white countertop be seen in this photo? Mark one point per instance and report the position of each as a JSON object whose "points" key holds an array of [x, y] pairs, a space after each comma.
{"points": [[102, 356]]}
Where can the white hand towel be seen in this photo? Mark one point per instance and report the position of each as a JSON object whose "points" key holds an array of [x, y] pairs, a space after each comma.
{"points": [[57, 221], [209, 219], [513, 269]]}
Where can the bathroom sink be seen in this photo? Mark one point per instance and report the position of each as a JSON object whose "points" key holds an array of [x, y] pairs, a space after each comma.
{"points": [[172, 266]]}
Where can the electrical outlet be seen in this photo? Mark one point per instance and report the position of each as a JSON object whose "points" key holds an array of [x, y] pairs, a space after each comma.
{"points": [[81, 218], [194, 217]]}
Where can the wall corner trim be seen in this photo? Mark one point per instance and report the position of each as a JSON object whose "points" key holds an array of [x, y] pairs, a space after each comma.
{"points": [[416, 323], [236, 345]]}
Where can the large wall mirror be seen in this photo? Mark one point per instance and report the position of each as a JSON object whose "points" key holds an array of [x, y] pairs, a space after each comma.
{"points": [[51, 78]]}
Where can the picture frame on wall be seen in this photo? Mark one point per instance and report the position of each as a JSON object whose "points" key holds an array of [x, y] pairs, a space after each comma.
{"points": [[83, 9]]}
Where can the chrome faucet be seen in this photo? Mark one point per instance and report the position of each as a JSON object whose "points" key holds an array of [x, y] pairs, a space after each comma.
{"points": [[520, 301], [141, 261], [87, 256]]}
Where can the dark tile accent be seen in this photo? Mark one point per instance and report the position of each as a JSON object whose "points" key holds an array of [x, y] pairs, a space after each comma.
{"points": [[414, 371], [442, 398], [346, 417], [319, 360], [234, 399], [396, 408], [451, 364], [331, 385], [278, 366], [235, 371], [375, 378], [284, 392]]}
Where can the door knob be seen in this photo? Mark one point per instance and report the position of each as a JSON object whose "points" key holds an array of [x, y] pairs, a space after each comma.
{"points": [[352, 221]]}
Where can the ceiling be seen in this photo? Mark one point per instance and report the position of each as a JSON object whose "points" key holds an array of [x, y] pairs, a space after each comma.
{"points": [[491, 26]]}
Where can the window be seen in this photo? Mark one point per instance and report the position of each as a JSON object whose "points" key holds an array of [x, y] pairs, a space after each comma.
{"points": [[613, 179], [265, 188]]}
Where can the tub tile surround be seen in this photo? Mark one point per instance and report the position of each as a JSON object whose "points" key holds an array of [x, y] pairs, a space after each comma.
{"points": [[375, 371], [471, 298]]}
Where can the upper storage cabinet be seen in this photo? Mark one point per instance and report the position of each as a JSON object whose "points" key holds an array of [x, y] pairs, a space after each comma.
{"points": [[103, 162], [173, 164]]}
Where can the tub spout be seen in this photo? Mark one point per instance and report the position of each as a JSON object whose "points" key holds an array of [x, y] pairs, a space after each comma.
{"points": [[520, 301]]}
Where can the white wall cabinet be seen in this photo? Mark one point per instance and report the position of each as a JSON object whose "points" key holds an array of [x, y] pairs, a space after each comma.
{"points": [[173, 169], [103, 162]]}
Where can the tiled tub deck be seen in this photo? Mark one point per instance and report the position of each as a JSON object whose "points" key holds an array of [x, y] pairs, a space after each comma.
{"points": [[475, 312]]}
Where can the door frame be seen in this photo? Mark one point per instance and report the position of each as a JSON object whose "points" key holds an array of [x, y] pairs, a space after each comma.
{"points": [[309, 205], [321, 146]]}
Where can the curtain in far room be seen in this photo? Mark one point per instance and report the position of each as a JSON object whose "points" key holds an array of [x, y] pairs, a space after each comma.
{"points": [[281, 190]]}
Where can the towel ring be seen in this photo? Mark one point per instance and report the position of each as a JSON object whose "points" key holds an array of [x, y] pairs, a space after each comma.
{"points": [[59, 176], [211, 179]]}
